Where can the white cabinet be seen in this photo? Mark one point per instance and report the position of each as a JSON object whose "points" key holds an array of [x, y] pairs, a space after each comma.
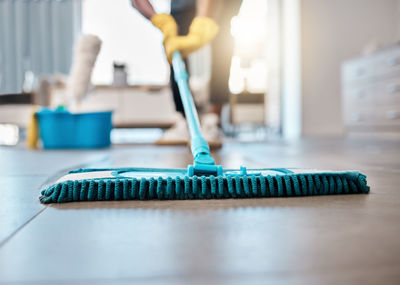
{"points": [[371, 91]]}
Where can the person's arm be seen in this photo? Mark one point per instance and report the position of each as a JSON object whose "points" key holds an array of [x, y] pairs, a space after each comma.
{"points": [[202, 30], [144, 7], [204, 8], [166, 23]]}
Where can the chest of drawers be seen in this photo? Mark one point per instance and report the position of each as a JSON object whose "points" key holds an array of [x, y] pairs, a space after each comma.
{"points": [[371, 91]]}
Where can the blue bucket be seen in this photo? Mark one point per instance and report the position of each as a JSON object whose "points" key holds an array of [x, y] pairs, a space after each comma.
{"points": [[61, 129]]}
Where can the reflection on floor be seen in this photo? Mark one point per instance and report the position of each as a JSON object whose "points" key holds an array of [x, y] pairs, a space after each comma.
{"points": [[135, 136], [243, 133], [326, 239]]}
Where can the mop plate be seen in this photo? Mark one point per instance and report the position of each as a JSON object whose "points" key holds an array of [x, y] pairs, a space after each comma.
{"points": [[115, 184]]}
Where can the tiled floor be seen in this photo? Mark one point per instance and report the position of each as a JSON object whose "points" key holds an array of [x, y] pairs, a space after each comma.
{"points": [[307, 240]]}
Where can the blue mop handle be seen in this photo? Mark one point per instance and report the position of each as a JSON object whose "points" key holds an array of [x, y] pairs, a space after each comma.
{"points": [[199, 146]]}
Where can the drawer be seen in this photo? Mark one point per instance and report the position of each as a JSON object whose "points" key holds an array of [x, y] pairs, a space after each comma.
{"points": [[369, 116], [388, 63], [359, 69], [388, 93], [359, 94], [377, 66], [382, 93], [363, 115], [387, 117]]}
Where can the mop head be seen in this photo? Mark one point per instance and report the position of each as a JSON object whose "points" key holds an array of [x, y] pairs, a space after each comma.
{"points": [[175, 184]]}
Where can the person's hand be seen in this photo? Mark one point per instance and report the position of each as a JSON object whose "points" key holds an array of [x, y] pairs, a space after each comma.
{"points": [[202, 30], [167, 25]]}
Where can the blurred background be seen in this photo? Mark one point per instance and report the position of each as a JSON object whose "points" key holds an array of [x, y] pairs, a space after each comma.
{"points": [[300, 67]]}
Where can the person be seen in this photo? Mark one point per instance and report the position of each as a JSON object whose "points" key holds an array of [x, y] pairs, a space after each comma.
{"points": [[191, 25]]}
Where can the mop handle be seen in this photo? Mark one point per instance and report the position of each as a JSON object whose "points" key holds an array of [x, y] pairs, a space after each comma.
{"points": [[199, 146]]}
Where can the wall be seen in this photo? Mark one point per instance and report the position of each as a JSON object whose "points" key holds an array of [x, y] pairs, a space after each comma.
{"points": [[127, 38], [333, 31]]}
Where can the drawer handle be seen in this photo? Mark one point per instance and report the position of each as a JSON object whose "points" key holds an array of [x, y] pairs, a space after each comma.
{"points": [[393, 115], [358, 95], [360, 71], [356, 117], [393, 61], [393, 88]]}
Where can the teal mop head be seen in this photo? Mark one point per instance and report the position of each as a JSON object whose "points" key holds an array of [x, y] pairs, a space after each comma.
{"points": [[171, 184], [202, 180]]}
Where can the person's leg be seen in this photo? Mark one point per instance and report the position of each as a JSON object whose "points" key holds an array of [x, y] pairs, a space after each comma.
{"points": [[222, 52], [183, 18], [178, 134]]}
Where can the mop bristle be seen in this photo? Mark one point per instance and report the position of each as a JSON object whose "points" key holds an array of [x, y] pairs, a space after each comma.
{"points": [[206, 187]]}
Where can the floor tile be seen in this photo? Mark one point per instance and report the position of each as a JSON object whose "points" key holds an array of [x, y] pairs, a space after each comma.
{"points": [[306, 240], [19, 202]]}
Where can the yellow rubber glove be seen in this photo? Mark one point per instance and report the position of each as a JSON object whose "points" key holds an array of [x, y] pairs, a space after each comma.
{"points": [[167, 25], [202, 30]]}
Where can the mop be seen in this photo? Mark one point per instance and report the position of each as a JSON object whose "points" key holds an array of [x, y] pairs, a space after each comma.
{"points": [[202, 180]]}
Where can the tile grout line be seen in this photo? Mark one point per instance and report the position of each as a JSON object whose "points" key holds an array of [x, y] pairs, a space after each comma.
{"points": [[2, 243], [48, 178]]}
